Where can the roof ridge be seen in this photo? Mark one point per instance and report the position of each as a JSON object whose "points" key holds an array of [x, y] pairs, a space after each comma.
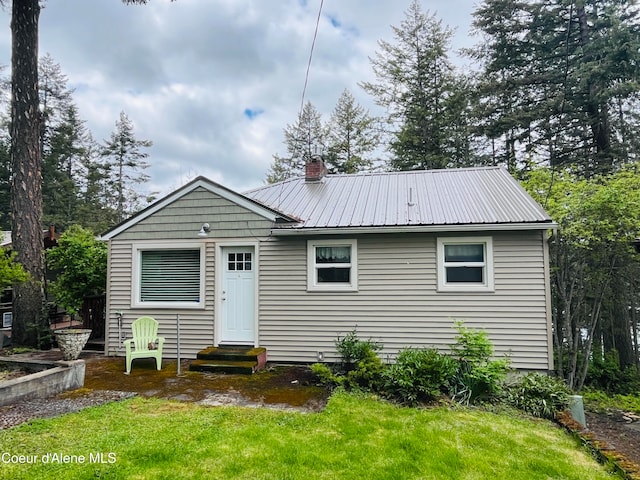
{"points": [[415, 172]]}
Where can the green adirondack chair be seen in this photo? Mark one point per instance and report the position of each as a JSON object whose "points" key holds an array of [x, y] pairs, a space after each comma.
{"points": [[145, 336]]}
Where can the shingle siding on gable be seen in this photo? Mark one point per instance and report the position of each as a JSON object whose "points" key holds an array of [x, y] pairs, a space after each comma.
{"points": [[183, 218], [397, 301]]}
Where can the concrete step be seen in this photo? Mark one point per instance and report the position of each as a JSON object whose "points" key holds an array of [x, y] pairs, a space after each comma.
{"points": [[222, 366], [230, 359]]}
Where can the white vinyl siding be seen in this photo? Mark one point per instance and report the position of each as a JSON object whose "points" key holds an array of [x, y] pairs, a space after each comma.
{"points": [[465, 264], [196, 324], [168, 276], [398, 302]]}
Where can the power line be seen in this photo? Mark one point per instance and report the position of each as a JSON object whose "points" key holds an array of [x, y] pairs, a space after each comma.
{"points": [[306, 77]]}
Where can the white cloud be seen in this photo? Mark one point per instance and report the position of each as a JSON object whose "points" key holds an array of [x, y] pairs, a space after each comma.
{"points": [[213, 82]]}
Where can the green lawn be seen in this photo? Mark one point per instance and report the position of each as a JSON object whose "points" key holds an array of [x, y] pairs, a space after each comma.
{"points": [[356, 437]]}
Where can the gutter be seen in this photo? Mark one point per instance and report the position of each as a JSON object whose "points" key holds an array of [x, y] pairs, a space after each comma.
{"points": [[476, 227]]}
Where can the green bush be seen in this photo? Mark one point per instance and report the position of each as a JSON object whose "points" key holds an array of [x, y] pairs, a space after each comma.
{"points": [[597, 400], [360, 368], [606, 374], [367, 374], [352, 349], [326, 376], [81, 265], [477, 377], [419, 375], [539, 395]]}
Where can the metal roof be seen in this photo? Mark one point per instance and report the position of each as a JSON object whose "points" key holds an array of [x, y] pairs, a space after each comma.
{"points": [[466, 196]]}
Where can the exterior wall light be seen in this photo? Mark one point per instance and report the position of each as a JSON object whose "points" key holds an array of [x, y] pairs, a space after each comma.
{"points": [[204, 230]]}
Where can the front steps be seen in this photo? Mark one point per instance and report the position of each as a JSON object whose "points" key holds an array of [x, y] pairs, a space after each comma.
{"points": [[230, 359]]}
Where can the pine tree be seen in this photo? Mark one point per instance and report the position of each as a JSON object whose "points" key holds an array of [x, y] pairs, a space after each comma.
{"points": [[125, 161], [26, 176], [353, 136], [553, 74], [63, 170], [55, 99], [306, 137], [417, 85], [26, 186]]}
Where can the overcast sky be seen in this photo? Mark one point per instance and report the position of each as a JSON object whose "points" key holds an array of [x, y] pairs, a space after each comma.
{"points": [[213, 82]]}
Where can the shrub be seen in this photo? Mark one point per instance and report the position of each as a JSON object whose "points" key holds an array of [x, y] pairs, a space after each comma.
{"points": [[477, 377], [540, 395], [367, 374], [419, 375], [326, 376], [352, 349], [606, 374], [600, 401], [81, 264], [361, 368]]}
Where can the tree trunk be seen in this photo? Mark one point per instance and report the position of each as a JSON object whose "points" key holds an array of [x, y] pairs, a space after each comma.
{"points": [[595, 109], [26, 183]]}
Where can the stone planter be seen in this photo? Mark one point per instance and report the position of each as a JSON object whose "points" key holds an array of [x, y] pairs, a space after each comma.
{"points": [[71, 341]]}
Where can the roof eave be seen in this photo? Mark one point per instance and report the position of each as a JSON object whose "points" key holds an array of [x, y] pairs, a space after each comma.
{"points": [[476, 227]]}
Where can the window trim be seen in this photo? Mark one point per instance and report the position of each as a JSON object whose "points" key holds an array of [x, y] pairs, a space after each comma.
{"points": [[136, 276], [312, 279], [486, 286]]}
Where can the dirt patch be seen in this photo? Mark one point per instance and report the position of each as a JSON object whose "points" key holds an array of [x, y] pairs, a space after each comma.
{"points": [[9, 372], [614, 437], [617, 434], [276, 386]]}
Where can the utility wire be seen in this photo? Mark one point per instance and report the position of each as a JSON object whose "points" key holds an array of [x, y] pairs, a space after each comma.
{"points": [[306, 77]]}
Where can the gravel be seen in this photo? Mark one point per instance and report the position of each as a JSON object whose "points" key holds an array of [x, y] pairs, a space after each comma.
{"points": [[27, 410]]}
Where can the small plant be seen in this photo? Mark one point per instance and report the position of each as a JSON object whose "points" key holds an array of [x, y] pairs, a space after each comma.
{"points": [[419, 375], [352, 349], [361, 368], [326, 376], [367, 373], [600, 401], [539, 395], [477, 376]]}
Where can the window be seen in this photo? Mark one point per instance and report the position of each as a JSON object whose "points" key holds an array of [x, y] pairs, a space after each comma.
{"points": [[7, 320], [332, 265], [465, 264], [239, 262], [168, 277]]}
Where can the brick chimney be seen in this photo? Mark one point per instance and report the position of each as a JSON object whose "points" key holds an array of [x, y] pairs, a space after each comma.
{"points": [[315, 169]]}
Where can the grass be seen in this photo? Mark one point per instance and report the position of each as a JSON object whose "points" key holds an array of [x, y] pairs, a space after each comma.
{"points": [[356, 437]]}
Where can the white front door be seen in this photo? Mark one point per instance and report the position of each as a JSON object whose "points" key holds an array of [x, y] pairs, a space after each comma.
{"points": [[237, 296]]}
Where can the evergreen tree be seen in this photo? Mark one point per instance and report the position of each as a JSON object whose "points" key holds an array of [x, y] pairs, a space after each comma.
{"points": [[26, 173], [55, 99], [94, 211], [306, 137], [5, 184], [352, 136], [26, 185], [553, 74], [63, 170], [125, 163], [417, 85]]}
